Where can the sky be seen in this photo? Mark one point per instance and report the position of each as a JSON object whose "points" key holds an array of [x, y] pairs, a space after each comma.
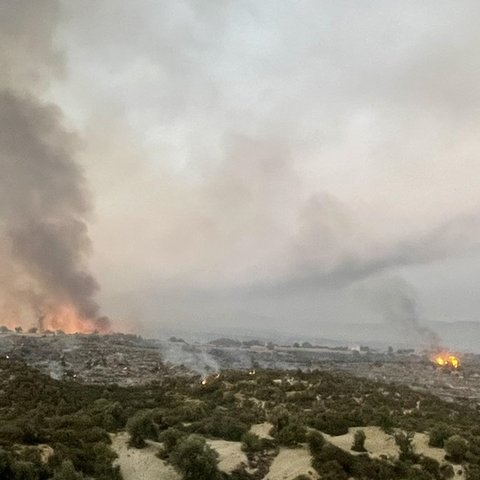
{"points": [[260, 165]]}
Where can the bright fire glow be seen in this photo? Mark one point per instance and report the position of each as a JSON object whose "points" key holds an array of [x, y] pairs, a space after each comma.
{"points": [[446, 360], [67, 319], [210, 378]]}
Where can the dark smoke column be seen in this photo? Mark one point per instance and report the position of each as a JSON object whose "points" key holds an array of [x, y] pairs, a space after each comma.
{"points": [[44, 203], [43, 209]]}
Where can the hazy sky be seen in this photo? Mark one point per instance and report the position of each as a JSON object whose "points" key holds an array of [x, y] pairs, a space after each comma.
{"points": [[269, 164]]}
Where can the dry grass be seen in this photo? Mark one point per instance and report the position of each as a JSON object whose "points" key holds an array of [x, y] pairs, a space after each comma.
{"points": [[141, 464], [262, 430], [230, 454], [291, 462]]}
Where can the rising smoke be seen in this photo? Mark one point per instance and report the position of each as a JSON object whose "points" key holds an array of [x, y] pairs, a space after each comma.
{"points": [[396, 302], [44, 203]]}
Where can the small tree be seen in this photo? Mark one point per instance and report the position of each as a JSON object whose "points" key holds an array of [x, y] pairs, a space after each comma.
{"points": [[404, 442], [19, 329], [251, 442], [332, 470], [67, 472], [279, 417], [456, 447], [291, 434], [359, 441], [473, 472], [316, 442], [439, 433], [140, 427], [170, 438], [194, 458], [25, 470], [431, 466], [33, 330]]}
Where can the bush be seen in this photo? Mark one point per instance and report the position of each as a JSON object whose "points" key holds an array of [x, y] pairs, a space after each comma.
{"points": [[447, 472], [25, 471], [404, 442], [221, 426], [170, 438], [439, 433], [251, 443], [332, 470], [359, 441], [431, 466], [67, 472], [140, 427], [473, 472], [456, 447], [279, 417], [194, 459], [333, 456], [316, 442], [292, 434]]}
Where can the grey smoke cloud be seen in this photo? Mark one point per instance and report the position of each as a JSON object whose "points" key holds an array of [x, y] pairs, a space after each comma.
{"points": [[263, 158], [397, 303], [44, 202]]}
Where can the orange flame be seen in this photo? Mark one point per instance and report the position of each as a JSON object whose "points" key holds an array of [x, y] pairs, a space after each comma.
{"points": [[67, 319], [446, 360]]}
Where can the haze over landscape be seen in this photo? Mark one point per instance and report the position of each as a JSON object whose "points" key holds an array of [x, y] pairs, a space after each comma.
{"points": [[247, 165], [239, 240]]}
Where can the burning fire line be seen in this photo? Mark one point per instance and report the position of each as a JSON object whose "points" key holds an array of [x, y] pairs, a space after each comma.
{"points": [[210, 379], [446, 360]]}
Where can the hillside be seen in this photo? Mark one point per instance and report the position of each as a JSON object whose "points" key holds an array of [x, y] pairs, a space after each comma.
{"points": [[74, 423]]}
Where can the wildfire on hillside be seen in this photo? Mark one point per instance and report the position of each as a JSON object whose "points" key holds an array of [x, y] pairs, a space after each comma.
{"points": [[446, 360], [67, 319], [210, 379]]}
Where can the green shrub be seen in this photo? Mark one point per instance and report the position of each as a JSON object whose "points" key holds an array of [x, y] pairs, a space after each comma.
{"points": [[431, 466], [456, 447], [438, 434], [67, 472], [291, 435], [170, 438], [404, 442], [446, 472], [332, 470], [316, 441], [25, 470], [194, 459], [359, 441], [279, 417], [251, 443], [141, 427]]}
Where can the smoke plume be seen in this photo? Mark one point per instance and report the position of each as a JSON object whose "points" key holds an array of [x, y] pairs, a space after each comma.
{"points": [[396, 301], [44, 203]]}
